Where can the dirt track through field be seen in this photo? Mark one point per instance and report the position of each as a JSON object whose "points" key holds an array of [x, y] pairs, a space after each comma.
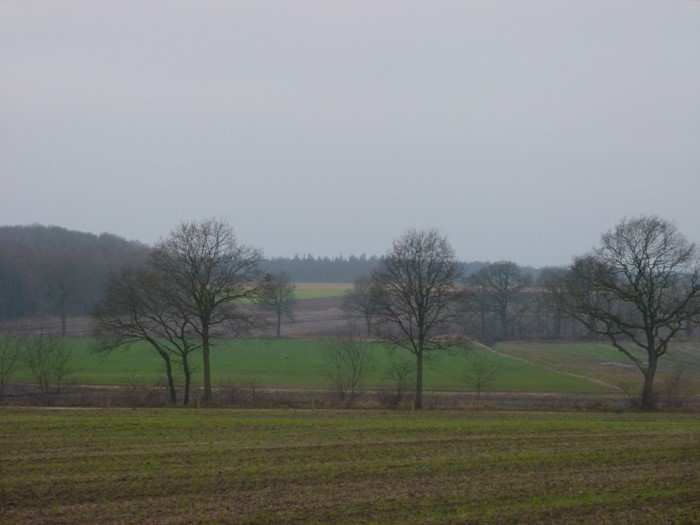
{"points": [[552, 369]]}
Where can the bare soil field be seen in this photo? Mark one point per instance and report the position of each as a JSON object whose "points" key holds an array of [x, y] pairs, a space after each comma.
{"points": [[317, 318], [320, 317]]}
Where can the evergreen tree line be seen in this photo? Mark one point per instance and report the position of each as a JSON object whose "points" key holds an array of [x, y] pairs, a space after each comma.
{"points": [[310, 269], [49, 270]]}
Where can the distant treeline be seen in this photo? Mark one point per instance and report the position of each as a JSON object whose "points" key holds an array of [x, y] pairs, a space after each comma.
{"points": [[55, 271], [49, 270], [310, 269]]}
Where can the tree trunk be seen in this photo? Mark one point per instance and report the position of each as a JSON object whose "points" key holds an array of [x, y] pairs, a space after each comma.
{"points": [[482, 326], [419, 379], [505, 328], [169, 374], [557, 325], [188, 380], [279, 324], [207, 368], [63, 319], [648, 400]]}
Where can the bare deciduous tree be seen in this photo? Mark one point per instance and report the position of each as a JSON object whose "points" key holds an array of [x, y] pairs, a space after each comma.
{"points": [[63, 277], [48, 359], [481, 373], [347, 361], [361, 302], [498, 289], [277, 296], [416, 296], [638, 289], [211, 274], [552, 293], [10, 351], [398, 374], [137, 307], [676, 388]]}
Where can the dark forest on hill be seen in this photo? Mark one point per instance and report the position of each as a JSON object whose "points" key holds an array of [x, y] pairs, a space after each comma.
{"points": [[55, 271], [50, 270]]}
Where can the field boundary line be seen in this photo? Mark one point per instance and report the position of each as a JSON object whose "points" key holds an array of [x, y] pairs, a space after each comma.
{"points": [[552, 369]]}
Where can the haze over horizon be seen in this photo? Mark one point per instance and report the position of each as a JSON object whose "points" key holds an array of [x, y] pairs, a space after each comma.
{"points": [[520, 130]]}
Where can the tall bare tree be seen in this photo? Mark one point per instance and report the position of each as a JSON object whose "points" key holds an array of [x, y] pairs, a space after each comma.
{"points": [[211, 275], [277, 296], [416, 295], [638, 289], [137, 308]]}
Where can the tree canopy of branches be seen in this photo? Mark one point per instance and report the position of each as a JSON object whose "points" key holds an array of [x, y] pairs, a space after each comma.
{"points": [[415, 294], [277, 296], [497, 289], [63, 280], [552, 295], [638, 289], [137, 307], [360, 302], [48, 359], [347, 361], [210, 275], [481, 373]]}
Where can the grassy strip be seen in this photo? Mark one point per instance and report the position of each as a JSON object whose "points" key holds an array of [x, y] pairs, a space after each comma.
{"points": [[299, 364], [214, 466], [605, 363]]}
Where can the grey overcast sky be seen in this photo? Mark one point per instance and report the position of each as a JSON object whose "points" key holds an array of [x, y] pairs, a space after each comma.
{"points": [[521, 130]]}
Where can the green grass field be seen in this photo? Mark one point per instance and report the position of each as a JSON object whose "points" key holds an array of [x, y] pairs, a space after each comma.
{"points": [[604, 363], [299, 364], [188, 466]]}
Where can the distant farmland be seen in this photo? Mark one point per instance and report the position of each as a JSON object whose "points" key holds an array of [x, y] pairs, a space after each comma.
{"points": [[320, 290], [295, 361]]}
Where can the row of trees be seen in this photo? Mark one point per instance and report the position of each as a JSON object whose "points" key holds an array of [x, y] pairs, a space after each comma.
{"points": [[196, 283], [338, 269], [501, 301], [639, 289], [52, 271]]}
